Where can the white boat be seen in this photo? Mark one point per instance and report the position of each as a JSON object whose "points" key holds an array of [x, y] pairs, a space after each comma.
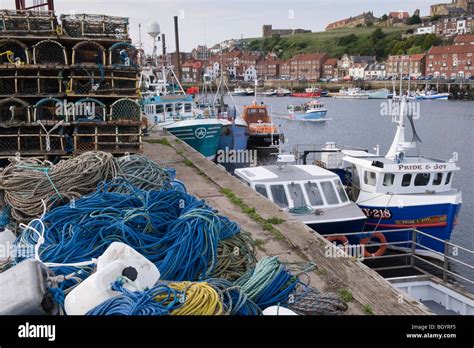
{"points": [[239, 91], [313, 110], [352, 93], [379, 94], [312, 194], [282, 92]]}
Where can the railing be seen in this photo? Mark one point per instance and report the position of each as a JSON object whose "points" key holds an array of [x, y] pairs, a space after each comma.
{"points": [[413, 244]]}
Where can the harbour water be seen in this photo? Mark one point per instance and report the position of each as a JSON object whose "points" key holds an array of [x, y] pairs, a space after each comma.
{"points": [[445, 127]]}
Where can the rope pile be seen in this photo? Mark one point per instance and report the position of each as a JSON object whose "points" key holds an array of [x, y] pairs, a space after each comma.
{"points": [[29, 182], [143, 173], [268, 283], [313, 302], [235, 256], [174, 230]]}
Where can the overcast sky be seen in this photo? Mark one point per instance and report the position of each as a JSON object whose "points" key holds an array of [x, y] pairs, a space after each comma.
{"points": [[212, 21]]}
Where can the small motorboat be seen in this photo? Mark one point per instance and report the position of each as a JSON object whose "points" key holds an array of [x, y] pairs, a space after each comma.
{"points": [[313, 110]]}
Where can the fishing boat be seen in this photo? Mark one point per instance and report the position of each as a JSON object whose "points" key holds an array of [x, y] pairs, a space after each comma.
{"points": [[269, 93], [352, 93], [434, 95], [262, 131], [397, 191], [311, 92], [313, 110], [176, 112], [239, 91], [379, 94], [282, 92], [312, 194]]}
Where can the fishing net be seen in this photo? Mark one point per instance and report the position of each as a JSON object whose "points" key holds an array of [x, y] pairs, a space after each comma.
{"points": [[50, 109], [123, 54], [13, 52], [88, 52], [125, 109], [14, 110], [87, 25], [49, 52]]}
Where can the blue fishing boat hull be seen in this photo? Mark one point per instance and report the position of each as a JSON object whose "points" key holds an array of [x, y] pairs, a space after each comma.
{"points": [[310, 116], [234, 137], [437, 220]]}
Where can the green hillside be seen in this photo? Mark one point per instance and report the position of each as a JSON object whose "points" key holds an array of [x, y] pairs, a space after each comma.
{"points": [[355, 41]]}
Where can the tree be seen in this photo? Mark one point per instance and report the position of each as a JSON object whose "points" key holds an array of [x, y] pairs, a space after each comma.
{"points": [[377, 35], [347, 40], [384, 17], [415, 19]]}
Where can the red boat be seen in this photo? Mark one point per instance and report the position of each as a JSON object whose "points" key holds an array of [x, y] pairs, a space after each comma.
{"points": [[192, 90], [308, 93]]}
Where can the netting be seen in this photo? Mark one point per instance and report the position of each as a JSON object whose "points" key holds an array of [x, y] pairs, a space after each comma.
{"points": [[123, 54], [7, 84], [85, 138], [50, 82], [125, 109], [88, 52], [49, 52], [14, 110], [89, 109], [13, 52], [51, 109], [27, 22], [9, 140], [125, 83], [86, 25], [41, 139], [90, 80]]}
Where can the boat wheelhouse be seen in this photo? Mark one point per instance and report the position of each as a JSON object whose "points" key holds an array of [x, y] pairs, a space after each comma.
{"points": [[262, 132], [312, 194]]}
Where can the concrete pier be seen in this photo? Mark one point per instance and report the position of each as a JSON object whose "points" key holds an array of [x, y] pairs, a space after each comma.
{"points": [[291, 240]]}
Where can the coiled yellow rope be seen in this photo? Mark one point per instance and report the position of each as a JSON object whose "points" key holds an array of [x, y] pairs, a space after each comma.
{"points": [[200, 299]]}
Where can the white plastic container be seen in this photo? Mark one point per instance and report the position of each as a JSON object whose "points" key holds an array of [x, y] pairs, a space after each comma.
{"points": [[7, 238], [118, 260], [148, 274]]}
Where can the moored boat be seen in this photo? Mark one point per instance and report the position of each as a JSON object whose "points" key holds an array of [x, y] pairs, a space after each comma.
{"points": [[262, 131], [352, 93], [313, 110], [379, 94]]}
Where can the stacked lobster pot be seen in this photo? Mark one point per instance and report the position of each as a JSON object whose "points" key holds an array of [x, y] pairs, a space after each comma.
{"points": [[67, 86]]}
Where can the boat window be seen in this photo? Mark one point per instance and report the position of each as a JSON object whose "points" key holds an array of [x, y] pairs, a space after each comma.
{"points": [[169, 107], [341, 191], [159, 109], [261, 189], [314, 195], [279, 195], [187, 107], [296, 194], [406, 180], [448, 178], [370, 178], [438, 179], [329, 192], [388, 179], [422, 179], [178, 107]]}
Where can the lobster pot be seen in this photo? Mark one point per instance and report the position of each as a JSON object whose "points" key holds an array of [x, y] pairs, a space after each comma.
{"points": [[50, 109], [85, 138], [19, 52], [123, 54], [49, 52], [14, 110], [42, 139], [90, 81], [113, 138], [88, 52], [50, 82], [125, 83], [125, 110], [99, 26], [7, 83], [27, 22], [27, 82], [9, 140], [89, 109]]}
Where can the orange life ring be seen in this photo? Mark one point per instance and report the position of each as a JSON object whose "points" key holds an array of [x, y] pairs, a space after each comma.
{"points": [[339, 238], [381, 248]]}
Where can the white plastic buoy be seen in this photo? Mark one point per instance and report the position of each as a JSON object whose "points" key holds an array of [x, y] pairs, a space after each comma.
{"points": [[148, 274], [7, 238], [118, 260], [278, 310]]}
